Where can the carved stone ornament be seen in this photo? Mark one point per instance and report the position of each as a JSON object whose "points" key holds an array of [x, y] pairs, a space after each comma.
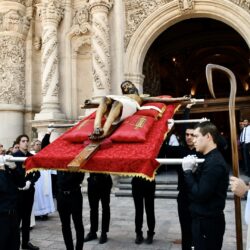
{"points": [[12, 57], [37, 43], [186, 5], [51, 12], [137, 11], [100, 3], [23, 2], [13, 21], [81, 25], [245, 4]]}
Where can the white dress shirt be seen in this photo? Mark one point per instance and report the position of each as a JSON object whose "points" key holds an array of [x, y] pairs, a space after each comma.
{"points": [[245, 135]]}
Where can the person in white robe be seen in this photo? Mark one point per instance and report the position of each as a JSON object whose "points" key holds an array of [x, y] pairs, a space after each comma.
{"points": [[43, 200]]}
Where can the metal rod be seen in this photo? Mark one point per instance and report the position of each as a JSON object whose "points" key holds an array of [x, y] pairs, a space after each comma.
{"points": [[170, 121], [15, 159], [66, 125], [174, 161]]}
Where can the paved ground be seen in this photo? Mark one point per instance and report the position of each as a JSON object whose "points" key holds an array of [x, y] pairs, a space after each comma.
{"points": [[47, 234]]}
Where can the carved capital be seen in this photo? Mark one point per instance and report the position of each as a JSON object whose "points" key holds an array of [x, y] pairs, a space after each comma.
{"points": [[14, 21], [100, 5], [51, 12]]}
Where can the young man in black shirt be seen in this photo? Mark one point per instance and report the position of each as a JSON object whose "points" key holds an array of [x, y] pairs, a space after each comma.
{"points": [[207, 189], [11, 179], [26, 194], [69, 203], [183, 201]]}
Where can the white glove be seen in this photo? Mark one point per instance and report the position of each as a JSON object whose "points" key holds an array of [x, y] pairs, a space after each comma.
{"points": [[50, 128], [170, 124], [11, 165], [2, 160], [189, 162], [204, 119], [190, 104], [27, 185]]}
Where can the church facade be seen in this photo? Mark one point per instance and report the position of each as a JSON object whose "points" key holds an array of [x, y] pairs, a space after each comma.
{"points": [[54, 54]]}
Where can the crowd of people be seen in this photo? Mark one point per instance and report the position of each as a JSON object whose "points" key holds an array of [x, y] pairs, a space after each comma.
{"points": [[201, 198]]}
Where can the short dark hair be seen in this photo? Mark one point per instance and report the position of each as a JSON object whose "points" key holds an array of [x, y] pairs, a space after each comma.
{"points": [[208, 127], [18, 139], [189, 126]]}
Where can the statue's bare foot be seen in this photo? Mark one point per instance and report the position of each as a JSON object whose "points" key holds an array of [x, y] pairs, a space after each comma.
{"points": [[97, 134]]}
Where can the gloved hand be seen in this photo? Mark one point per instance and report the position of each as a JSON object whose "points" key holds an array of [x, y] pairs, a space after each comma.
{"points": [[50, 129], [190, 104], [238, 186], [189, 162], [11, 165], [27, 185], [170, 124], [2, 160]]}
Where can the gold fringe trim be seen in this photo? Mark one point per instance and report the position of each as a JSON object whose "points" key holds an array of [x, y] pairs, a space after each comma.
{"points": [[123, 174]]}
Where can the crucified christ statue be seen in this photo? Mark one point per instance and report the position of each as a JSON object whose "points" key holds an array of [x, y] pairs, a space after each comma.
{"points": [[116, 108]]}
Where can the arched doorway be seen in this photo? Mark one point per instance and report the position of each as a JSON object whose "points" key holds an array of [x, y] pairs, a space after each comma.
{"points": [[229, 16], [175, 65]]}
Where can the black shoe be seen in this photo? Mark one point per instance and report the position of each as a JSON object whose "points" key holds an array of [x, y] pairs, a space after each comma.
{"points": [[103, 239], [29, 246], [149, 239], [90, 236], [139, 239]]}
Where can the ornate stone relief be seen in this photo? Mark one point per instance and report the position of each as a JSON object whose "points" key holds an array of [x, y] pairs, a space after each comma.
{"points": [[13, 21], [18, 1], [37, 43], [186, 5], [245, 4], [100, 44], [137, 11], [81, 25], [12, 54]]}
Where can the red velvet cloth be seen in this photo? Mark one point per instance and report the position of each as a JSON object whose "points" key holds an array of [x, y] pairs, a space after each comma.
{"points": [[131, 159], [134, 129]]}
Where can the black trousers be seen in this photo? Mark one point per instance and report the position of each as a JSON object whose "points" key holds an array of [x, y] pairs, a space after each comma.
{"points": [[99, 188], [70, 204], [25, 203], [9, 232], [185, 221], [246, 157], [143, 192], [208, 232]]}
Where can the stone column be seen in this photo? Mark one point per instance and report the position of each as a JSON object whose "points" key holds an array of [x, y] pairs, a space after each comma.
{"points": [[100, 46], [14, 26], [51, 13]]}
